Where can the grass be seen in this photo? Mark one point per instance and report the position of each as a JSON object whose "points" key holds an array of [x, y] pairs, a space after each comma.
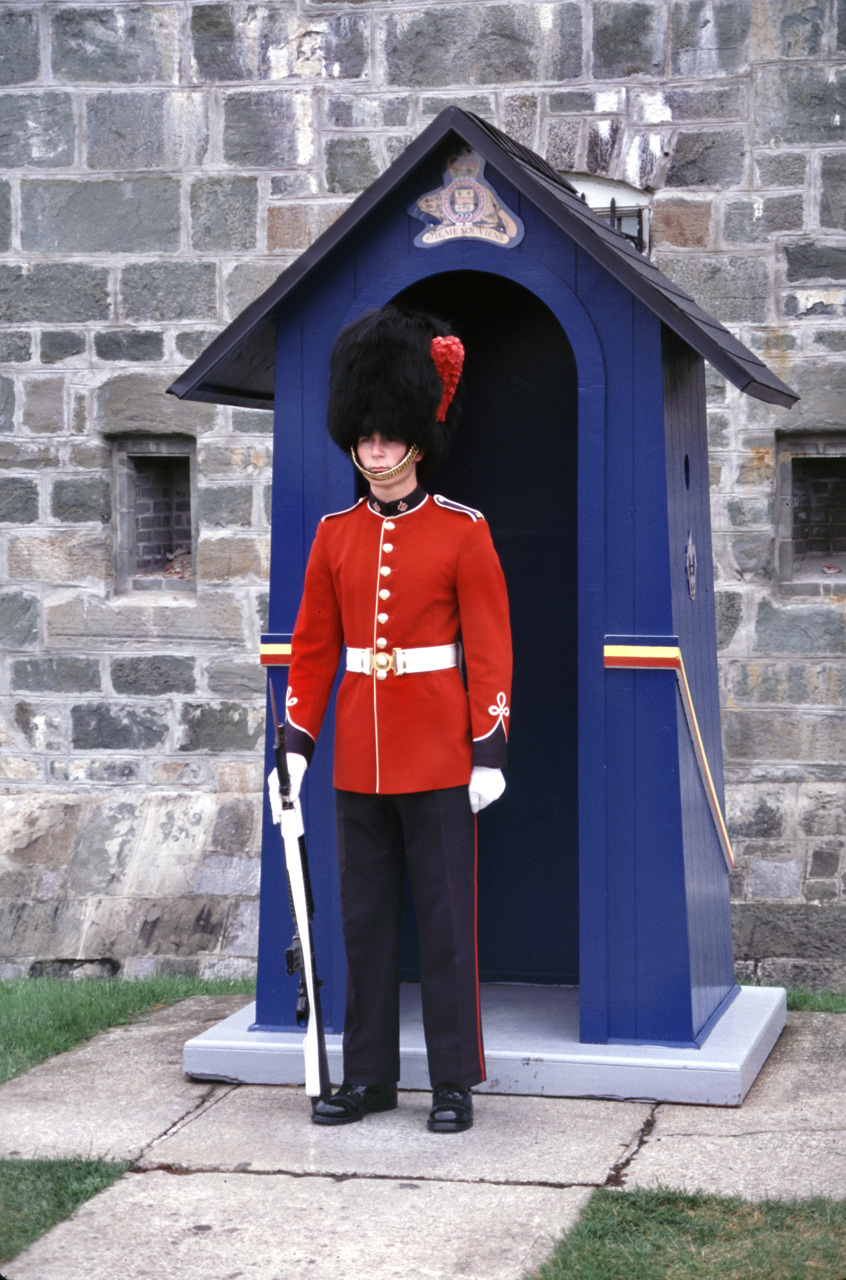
{"points": [[40, 1017], [36, 1194], [670, 1235], [816, 1002]]}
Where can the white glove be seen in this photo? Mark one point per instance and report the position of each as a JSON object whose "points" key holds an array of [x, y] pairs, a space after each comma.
{"points": [[297, 766], [486, 785]]}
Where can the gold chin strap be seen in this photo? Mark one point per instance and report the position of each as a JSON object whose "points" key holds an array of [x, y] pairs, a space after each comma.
{"points": [[380, 476]]}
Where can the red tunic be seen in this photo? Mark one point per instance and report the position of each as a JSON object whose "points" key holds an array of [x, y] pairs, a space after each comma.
{"points": [[420, 731]]}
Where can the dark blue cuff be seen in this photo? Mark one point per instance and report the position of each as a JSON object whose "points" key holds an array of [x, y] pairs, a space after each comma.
{"points": [[492, 751]]}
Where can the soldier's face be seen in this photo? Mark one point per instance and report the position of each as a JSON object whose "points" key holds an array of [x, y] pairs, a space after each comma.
{"points": [[375, 453]]}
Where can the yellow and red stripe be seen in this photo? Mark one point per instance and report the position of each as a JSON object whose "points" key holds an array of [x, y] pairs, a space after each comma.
{"points": [[668, 657]]}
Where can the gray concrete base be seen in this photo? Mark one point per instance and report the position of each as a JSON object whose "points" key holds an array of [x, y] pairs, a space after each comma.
{"points": [[531, 1047]]}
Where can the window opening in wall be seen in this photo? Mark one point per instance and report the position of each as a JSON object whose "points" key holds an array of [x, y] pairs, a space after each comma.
{"points": [[626, 208], [811, 512], [154, 487]]}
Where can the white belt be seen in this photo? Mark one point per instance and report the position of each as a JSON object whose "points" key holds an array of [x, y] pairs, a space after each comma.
{"points": [[431, 657]]}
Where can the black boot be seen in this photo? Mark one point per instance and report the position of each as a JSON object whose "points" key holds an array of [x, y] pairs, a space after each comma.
{"points": [[452, 1109], [354, 1102]]}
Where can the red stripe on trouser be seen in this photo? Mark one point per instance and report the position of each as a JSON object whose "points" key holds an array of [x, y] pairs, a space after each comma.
{"points": [[476, 946]]}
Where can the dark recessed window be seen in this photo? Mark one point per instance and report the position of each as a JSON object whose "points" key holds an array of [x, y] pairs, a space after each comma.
{"points": [[811, 512], [154, 487]]}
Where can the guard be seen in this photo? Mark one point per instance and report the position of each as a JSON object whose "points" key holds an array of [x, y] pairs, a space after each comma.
{"points": [[411, 584]]}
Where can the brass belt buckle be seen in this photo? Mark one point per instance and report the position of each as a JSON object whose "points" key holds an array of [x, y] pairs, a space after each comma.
{"points": [[382, 663]]}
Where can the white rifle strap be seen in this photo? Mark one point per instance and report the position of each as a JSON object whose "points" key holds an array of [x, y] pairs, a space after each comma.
{"points": [[292, 829]]}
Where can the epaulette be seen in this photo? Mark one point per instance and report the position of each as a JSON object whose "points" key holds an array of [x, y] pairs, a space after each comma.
{"points": [[330, 515], [458, 506]]}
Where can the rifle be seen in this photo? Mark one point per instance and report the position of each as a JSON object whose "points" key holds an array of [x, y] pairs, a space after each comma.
{"points": [[299, 957]]}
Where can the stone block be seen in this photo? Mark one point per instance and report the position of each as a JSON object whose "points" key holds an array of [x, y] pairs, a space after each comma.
{"points": [[562, 143], [18, 501], [136, 402], [177, 773], [709, 37], [42, 927], [272, 45], [243, 777], [172, 927], [7, 406], [242, 932], [171, 845], [294, 227], [247, 280], [56, 675], [222, 967], [226, 505], [110, 769], [628, 39], [60, 557], [756, 221], [103, 726], [351, 164], [18, 769], [123, 44], [146, 130], [44, 404], [813, 261], [268, 130], [223, 214], [227, 876], [749, 511], [61, 344], [521, 118], [825, 860], [5, 217], [15, 347], [731, 288], [753, 814], [762, 931], [820, 811], [472, 45], [359, 112], [169, 291], [811, 629], [152, 675], [236, 679], [39, 830], [20, 60], [775, 880], [684, 223], [19, 617], [645, 158], [36, 131], [223, 726], [79, 500], [754, 554], [89, 622], [138, 215], [226, 558], [53, 293], [712, 158], [764, 735], [782, 169], [729, 609], [601, 142], [192, 342], [833, 195], [801, 105], [798, 27], [107, 840], [129, 346], [235, 828]]}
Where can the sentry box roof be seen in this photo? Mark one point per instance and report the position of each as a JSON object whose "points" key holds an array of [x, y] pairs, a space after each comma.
{"points": [[237, 368]]}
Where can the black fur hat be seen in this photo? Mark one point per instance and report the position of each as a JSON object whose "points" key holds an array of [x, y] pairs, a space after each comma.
{"points": [[382, 378]]}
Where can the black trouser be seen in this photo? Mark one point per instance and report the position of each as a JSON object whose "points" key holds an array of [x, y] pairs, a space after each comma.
{"points": [[434, 834]]}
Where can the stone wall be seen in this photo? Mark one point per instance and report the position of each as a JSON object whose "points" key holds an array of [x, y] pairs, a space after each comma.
{"points": [[160, 163]]}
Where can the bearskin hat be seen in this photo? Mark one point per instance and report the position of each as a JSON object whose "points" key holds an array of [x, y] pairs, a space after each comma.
{"points": [[383, 378]]}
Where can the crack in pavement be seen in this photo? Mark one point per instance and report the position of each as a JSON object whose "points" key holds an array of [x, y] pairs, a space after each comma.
{"points": [[182, 1171], [617, 1174], [190, 1114]]}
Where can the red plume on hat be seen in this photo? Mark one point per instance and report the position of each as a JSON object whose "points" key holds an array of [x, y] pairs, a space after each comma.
{"points": [[396, 371]]}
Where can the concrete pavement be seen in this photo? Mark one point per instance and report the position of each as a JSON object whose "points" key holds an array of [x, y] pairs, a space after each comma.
{"points": [[233, 1181]]}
